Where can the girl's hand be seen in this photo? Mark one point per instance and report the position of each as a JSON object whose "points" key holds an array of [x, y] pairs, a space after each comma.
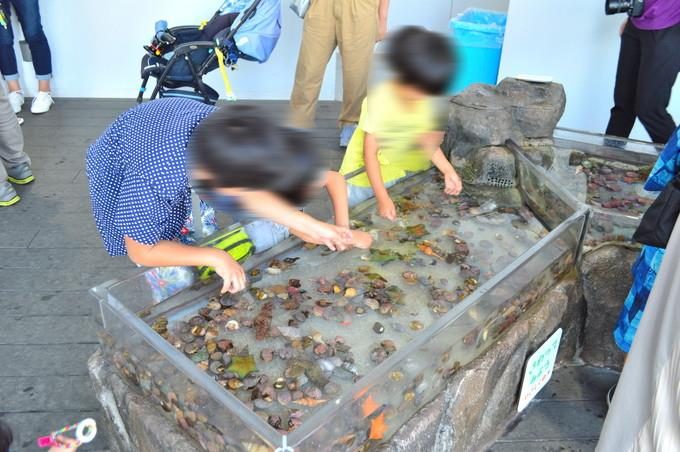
{"points": [[452, 184], [231, 272], [387, 209], [361, 239], [64, 444]]}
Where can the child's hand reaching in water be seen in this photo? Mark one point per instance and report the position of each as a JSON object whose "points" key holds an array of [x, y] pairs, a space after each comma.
{"points": [[452, 184], [387, 209], [361, 239]]}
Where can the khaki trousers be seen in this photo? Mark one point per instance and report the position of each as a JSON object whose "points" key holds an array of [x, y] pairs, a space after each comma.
{"points": [[11, 138], [350, 25]]}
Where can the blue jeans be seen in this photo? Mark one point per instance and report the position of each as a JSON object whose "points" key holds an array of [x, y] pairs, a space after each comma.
{"points": [[28, 13]]}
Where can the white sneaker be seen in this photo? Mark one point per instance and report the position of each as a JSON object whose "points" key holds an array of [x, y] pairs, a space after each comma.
{"points": [[42, 103], [20, 120], [16, 100]]}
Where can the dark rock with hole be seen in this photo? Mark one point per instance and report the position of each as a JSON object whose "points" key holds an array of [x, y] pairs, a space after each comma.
{"points": [[492, 166], [536, 107], [487, 115], [490, 173], [478, 117]]}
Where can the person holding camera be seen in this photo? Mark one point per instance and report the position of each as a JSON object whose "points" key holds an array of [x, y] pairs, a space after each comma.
{"points": [[649, 62]]}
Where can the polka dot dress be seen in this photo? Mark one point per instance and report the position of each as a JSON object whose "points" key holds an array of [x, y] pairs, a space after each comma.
{"points": [[137, 173]]}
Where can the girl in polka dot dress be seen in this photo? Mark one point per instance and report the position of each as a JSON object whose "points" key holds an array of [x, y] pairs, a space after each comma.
{"points": [[143, 168]]}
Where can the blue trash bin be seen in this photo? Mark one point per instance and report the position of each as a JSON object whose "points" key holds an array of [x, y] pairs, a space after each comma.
{"points": [[478, 36]]}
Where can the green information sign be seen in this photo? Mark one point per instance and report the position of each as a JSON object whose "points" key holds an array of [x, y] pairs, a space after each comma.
{"points": [[539, 369]]}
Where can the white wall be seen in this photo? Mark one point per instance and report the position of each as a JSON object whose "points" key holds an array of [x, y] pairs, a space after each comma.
{"points": [[97, 45], [577, 45], [458, 6]]}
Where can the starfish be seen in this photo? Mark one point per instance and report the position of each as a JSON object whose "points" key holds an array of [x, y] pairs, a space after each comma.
{"points": [[242, 365]]}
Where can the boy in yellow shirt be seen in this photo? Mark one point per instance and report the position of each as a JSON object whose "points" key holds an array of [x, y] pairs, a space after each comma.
{"points": [[398, 132]]}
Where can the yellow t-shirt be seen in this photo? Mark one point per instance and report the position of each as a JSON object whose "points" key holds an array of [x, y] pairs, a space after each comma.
{"points": [[398, 129]]}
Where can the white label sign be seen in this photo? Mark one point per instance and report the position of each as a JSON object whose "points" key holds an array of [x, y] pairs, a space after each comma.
{"points": [[539, 369]]}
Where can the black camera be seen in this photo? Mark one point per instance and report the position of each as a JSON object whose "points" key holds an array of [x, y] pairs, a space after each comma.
{"points": [[634, 8]]}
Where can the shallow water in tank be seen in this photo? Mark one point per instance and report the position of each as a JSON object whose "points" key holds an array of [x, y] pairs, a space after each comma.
{"points": [[314, 345]]}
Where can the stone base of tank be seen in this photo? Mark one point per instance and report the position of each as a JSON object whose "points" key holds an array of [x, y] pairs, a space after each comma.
{"points": [[136, 424], [606, 279], [481, 399], [471, 411]]}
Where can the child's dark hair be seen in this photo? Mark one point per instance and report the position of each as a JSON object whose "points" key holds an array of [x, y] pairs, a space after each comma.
{"points": [[241, 147], [423, 59], [5, 437]]}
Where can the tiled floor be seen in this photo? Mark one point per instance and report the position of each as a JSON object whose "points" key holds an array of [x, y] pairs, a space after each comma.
{"points": [[567, 415], [51, 254]]}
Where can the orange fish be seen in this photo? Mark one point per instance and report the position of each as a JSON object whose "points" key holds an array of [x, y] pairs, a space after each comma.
{"points": [[309, 402], [378, 427], [369, 406]]}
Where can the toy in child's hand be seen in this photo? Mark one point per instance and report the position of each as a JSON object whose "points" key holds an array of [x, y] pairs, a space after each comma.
{"points": [[86, 430]]}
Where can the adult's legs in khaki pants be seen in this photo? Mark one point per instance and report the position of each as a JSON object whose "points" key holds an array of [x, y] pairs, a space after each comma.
{"points": [[351, 25]]}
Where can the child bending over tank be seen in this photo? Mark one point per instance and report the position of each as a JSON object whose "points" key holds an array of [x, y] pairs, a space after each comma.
{"points": [[398, 132], [143, 169]]}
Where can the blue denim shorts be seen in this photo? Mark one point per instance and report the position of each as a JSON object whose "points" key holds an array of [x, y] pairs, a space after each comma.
{"points": [[265, 234], [357, 194]]}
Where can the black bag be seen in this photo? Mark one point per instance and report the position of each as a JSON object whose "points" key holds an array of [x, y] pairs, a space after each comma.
{"points": [[658, 222]]}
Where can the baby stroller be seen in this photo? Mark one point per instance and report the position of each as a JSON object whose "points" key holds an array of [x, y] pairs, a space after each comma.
{"points": [[179, 57]]}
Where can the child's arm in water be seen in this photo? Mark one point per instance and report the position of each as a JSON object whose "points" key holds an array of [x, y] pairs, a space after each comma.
{"points": [[337, 191], [267, 205], [386, 207], [431, 145], [452, 183], [167, 253]]}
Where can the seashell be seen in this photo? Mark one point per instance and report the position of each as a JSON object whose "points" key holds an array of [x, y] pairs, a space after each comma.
{"points": [[372, 303], [234, 383], [198, 331], [284, 397], [267, 354], [396, 375], [280, 383], [350, 292], [217, 367], [232, 325], [312, 392], [224, 345], [410, 277]]}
